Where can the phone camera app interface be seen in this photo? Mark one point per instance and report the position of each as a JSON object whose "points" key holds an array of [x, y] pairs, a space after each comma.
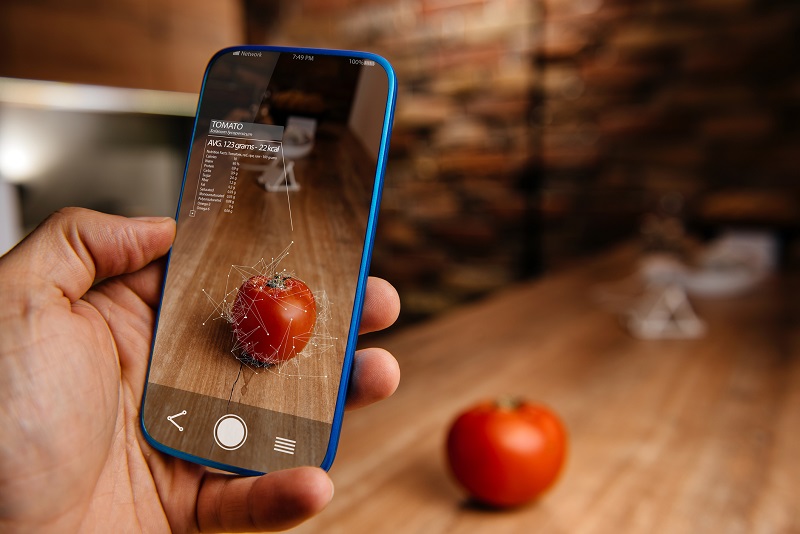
{"points": [[262, 278]]}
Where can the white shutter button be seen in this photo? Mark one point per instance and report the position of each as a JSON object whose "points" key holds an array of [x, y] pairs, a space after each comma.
{"points": [[230, 432]]}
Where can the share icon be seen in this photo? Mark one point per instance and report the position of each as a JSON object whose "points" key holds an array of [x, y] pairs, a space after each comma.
{"points": [[171, 419]]}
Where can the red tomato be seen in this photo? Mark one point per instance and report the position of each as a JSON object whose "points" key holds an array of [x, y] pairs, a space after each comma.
{"points": [[273, 317], [506, 454]]}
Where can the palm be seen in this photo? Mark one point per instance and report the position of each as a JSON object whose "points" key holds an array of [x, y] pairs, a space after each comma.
{"points": [[107, 333], [72, 373], [129, 329]]}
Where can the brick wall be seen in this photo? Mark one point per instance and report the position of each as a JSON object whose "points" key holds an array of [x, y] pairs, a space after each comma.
{"points": [[529, 134], [690, 98]]}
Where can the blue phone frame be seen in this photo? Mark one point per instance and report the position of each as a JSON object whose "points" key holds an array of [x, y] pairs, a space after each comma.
{"points": [[369, 239]]}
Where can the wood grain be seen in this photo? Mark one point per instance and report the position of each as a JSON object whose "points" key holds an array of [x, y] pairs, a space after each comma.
{"points": [[666, 436], [326, 231]]}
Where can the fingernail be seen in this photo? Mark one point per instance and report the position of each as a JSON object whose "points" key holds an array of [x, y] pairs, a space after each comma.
{"points": [[152, 219], [333, 488]]}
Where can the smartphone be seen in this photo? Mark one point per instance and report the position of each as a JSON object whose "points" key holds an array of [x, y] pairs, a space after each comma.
{"points": [[265, 281]]}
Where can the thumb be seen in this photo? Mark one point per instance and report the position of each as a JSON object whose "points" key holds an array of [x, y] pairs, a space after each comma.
{"points": [[75, 246]]}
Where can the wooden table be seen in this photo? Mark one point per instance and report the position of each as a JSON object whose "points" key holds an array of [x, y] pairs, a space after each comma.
{"points": [[321, 225], [674, 436]]}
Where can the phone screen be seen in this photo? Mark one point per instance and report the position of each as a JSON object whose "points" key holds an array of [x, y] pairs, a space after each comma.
{"points": [[265, 280]]}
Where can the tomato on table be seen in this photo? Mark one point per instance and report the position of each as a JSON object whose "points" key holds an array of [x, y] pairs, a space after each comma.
{"points": [[273, 317], [506, 453]]}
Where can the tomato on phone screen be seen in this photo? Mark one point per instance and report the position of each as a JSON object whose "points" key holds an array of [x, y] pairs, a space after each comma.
{"points": [[265, 281]]}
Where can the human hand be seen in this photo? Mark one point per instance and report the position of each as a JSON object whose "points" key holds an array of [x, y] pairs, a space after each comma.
{"points": [[73, 359]]}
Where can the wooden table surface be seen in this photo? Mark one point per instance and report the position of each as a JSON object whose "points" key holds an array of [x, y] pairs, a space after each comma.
{"points": [[675, 436], [324, 227]]}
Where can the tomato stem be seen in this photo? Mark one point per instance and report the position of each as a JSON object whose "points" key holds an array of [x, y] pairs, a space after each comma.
{"points": [[508, 402], [278, 280]]}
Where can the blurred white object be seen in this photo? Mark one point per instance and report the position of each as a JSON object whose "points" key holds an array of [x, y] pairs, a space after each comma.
{"points": [[279, 177], [664, 312], [733, 263], [10, 217], [298, 137], [297, 142], [662, 269]]}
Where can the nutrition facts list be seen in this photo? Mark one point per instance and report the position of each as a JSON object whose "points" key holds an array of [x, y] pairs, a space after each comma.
{"points": [[227, 146]]}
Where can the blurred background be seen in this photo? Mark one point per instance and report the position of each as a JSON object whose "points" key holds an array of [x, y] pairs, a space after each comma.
{"points": [[531, 138], [528, 134]]}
